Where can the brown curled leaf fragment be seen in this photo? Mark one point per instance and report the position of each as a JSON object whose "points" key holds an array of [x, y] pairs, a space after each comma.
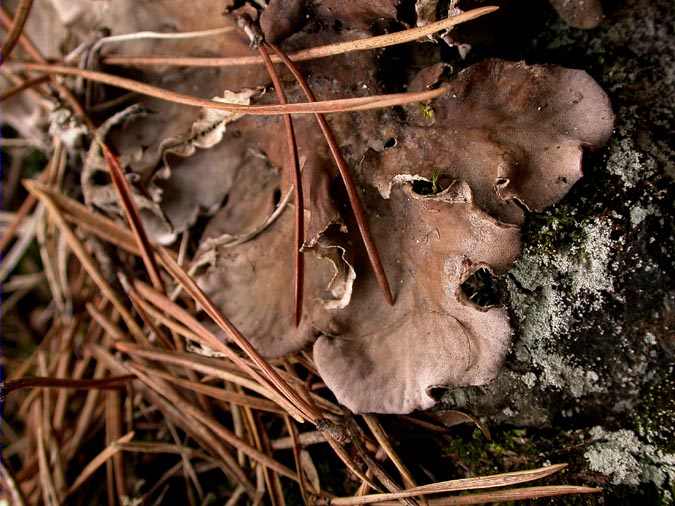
{"points": [[185, 174], [207, 174], [514, 132], [387, 359], [579, 13], [99, 191]]}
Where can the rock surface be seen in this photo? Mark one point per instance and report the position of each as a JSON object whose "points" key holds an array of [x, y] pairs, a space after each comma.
{"points": [[593, 295]]}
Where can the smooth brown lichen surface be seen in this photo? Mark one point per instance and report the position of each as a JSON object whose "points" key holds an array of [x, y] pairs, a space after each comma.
{"points": [[504, 132]]}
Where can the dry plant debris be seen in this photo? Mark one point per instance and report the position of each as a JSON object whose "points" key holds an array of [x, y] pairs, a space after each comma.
{"points": [[210, 361]]}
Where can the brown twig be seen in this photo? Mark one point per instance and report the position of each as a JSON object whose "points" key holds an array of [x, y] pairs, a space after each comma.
{"points": [[379, 41], [133, 216], [37, 56], [113, 383], [327, 106], [20, 18], [29, 83], [296, 177], [26, 207], [352, 192]]}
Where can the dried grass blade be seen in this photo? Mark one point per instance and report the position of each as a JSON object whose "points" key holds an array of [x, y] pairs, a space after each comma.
{"points": [[189, 474], [106, 324], [196, 363], [327, 106], [29, 83], [352, 192], [130, 37], [112, 383], [139, 307], [344, 456], [98, 461], [62, 399], [88, 262], [385, 443], [304, 438], [380, 41], [114, 432], [195, 428], [301, 405], [518, 494], [360, 442], [145, 447], [104, 228], [133, 216], [62, 369], [49, 494], [161, 318], [35, 54], [296, 457], [212, 341], [86, 415], [12, 259], [490, 481], [9, 485], [220, 393], [212, 423], [294, 171], [236, 495]]}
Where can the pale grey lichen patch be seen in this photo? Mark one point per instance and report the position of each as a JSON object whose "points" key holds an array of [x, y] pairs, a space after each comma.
{"points": [[557, 371], [542, 325], [638, 215], [546, 288], [530, 379], [628, 163], [626, 460], [585, 265], [588, 264]]}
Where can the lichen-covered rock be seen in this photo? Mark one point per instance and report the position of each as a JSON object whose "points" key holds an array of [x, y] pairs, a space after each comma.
{"points": [[592, 295]]}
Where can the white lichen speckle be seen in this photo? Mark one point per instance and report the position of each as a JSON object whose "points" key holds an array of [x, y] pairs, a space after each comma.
{"points": [[628, 163], [626, 460], [585, 269]]}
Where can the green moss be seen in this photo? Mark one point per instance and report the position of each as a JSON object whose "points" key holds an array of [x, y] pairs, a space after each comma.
{"points": [[509, 449], [554, 230], [655, 418], [434, 181]]}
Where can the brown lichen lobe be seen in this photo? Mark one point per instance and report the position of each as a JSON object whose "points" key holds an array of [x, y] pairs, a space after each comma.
{"points": [[514, 132], [505, 131], [386, 359]]}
